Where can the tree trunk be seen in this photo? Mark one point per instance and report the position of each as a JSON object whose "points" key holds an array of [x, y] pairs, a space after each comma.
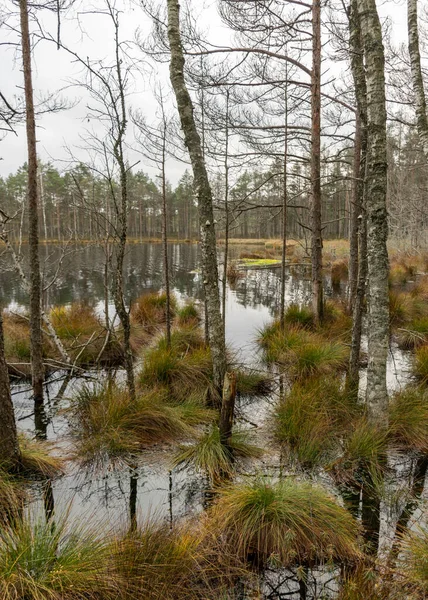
{"points": [[226, 211], [358, 247], [9, 449], [377, 220], [284, 207], [205, 204], [37, 368], [316, 225], [227, 409], [165, 241], [417, 80]]}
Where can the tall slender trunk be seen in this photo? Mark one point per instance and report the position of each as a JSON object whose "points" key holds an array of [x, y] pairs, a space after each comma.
{"points": [[284, 205], [122, 214], [36, 341], [316, 224], [9, 449], [358, 250], [377, 219], [165, 241], [416, 70], [226, 211], [205, 204]]}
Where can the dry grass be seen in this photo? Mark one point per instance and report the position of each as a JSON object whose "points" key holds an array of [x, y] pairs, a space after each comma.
{"points": [[312, 421], [41, 562], [339, 271], [188, 315], [408, 419], [209, 456], [149, 310], [37, 458], [420, 366], [233, 273], [108, 426], [285, 522]]}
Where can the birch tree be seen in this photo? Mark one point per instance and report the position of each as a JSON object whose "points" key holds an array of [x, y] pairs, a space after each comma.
{"points": [[416, 70], [377, 222], [204, 194]]}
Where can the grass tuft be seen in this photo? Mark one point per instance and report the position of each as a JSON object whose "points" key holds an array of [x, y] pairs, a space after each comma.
{"points": [[36, 458], [311, 421], [39, 562], [208, 455], [408, 419], [287, 521], [150, 309], [108, 426], [421, 364], [188, 315]]}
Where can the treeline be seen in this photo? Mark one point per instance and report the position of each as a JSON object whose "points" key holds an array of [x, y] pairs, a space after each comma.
{"points": [[77, 204]]}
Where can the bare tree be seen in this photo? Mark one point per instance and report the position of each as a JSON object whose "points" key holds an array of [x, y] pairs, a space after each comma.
{"points": [[416, 70], [205, 204], [33, 219]]}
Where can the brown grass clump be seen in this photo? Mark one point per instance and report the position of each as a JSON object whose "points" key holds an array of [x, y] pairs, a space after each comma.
{"points": [[150, 310], [339, 271], [420, 367], [408, 419], [108, 426], [181, 563], [37, 458], [233, 274], [287, 522]]}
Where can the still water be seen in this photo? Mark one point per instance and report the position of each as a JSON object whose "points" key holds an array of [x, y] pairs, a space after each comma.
{"points": [[104, 498]]}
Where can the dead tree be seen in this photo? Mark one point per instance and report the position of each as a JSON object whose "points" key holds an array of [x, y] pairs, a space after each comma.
{"points": [[37, 368]]}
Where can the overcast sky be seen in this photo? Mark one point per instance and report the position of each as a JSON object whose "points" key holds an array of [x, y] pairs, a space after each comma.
{"points": [[53, 70]]}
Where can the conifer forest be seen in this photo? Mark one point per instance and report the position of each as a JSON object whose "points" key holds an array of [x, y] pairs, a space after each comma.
{"points": [[214, 300]]}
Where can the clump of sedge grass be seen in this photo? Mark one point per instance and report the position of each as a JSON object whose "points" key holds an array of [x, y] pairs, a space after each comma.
{"points": [[38, 561], [311, 421], [253, 383], [208, 455], [108, 426], [420, 367], [363, 452], [414, 335], [413, 565], [12, 496], [233, 274], [159, 562], [287, 521], [339, 271], [75, 321], [16, 339], [37, 458], [299, 315], [150, 309], [188, 315], [185, 368], [305, 354], [408, 419]]}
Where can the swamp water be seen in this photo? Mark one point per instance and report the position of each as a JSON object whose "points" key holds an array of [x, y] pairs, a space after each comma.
{"points": [[153, 489]]}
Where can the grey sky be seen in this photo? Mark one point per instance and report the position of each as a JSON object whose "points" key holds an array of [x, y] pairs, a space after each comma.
{"points": [[53, 70]]}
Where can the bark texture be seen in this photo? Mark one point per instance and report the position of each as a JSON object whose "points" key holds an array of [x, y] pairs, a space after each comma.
{"points": [[204, 193], [37, 368], [417, 80], [9, 449], [316, 224], [358, 245], [377, 220]]}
